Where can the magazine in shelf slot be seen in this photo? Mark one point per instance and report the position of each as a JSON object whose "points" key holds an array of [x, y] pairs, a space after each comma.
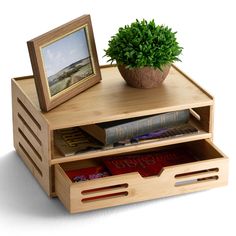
{"points": [[118, 130], [73, 141], [166, 132]]}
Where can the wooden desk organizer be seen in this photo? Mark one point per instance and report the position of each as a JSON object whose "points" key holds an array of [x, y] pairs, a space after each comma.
{"points": [[111, 100]]}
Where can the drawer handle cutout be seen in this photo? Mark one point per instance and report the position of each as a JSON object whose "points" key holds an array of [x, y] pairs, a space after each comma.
{"points": [[196, 181], [104, 197], [102, 189], [195, 173]]}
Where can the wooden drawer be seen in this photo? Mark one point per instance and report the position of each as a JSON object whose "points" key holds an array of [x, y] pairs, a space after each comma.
{"points": [[209, 171]]}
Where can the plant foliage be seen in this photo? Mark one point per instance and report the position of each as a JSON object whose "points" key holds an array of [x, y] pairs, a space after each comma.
{"points": [[143, 44]]}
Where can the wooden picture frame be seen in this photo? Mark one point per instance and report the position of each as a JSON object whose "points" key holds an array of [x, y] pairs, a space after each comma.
{"points": [[64, 62]]}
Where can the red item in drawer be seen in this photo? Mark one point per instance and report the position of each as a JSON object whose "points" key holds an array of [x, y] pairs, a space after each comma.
{"points": [[88, 173], [148, 164]]}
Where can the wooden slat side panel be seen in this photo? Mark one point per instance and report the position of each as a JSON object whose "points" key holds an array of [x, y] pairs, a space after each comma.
{"points": [[29, 132], [25, 100], [36, 172], [35, 146], [31, 136], [34, 155], [35, 126]]}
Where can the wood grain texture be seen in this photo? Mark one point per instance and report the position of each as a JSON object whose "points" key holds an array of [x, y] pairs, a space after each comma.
{"points": [[211, 171], [31, 137], [59, 158], [112, 99]]}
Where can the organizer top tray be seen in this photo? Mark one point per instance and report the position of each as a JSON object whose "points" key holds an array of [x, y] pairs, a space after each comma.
{"points": [[113, 99]]}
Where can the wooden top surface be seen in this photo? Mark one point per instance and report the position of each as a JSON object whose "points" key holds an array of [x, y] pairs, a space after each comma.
{"points": [[113, 99]]}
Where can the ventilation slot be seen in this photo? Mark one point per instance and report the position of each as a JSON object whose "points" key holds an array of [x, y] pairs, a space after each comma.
{"points": [[196, 181], [212, 170], [103, 193], [97, 190], [30, 159], [30, 145], [196, 177], [29, 129], [104, 197], [28, 113]]}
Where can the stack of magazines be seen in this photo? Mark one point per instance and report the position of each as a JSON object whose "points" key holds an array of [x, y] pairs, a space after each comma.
{"points": [[120, 133]]}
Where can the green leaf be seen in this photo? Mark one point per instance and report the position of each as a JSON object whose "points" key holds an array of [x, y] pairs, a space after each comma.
{"points": [[142, 44]]}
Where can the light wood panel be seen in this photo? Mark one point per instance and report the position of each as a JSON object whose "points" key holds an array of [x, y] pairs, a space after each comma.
{"points": [[31, 137], [127, 188], [58, 158], [112, 99]]}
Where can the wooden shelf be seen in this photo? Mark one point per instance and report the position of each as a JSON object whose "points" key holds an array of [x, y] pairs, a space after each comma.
{"points": [[112, 99], [59, 158]]}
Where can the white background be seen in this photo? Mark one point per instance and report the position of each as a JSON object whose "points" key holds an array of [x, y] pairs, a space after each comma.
{"points": [[206, 30]]}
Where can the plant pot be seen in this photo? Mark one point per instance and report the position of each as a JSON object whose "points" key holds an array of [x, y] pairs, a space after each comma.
{"points": [[146, 77]]}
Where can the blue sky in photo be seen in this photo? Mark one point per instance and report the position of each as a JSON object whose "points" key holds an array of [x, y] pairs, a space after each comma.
{"points": [[65, 51]]}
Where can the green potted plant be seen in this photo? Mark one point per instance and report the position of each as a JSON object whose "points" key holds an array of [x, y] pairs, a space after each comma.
{"points": [[143, 52]]}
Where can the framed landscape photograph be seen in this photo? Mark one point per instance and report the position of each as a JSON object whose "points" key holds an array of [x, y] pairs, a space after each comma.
{"points": [[64, 62]]}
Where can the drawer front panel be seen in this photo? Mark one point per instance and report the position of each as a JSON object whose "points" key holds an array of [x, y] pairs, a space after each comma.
{"points": [[132, 187]]}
